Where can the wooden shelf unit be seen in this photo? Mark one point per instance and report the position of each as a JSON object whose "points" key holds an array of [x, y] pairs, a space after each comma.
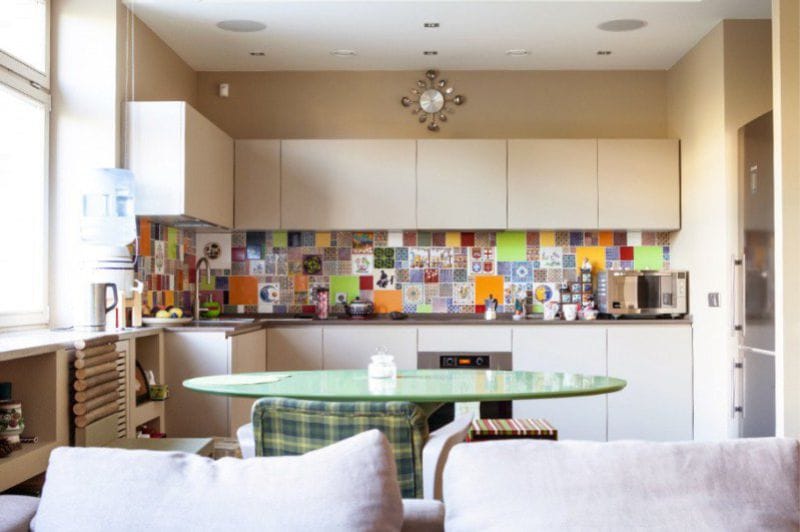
{"points": [[149, 352], [41, 383]]}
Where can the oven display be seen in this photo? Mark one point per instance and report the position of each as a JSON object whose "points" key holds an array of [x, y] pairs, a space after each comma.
{"points": [[464, 361]]}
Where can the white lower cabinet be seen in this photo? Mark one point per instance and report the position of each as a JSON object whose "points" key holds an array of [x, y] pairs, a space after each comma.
{"points": [[564, 349], [190, 414], [351, 347], [464, 338], [657, 363], [294, 348]]}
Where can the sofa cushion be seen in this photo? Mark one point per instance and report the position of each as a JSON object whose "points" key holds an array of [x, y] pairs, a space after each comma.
{"points": [[423, 515], [536, 485], [16, 512], [351, 485]]}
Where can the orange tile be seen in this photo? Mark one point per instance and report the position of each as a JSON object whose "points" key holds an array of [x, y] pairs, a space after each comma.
{"points": [[486, 285], [169, 298], [300, 283], [606, 238], [388, 301], [243, 290], [144, 238]]}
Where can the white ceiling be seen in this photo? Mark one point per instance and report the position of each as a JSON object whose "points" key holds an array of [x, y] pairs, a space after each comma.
{"points": [[474, 35]]}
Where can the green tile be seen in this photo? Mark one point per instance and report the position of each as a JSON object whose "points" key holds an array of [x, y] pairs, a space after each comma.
{"points": [[511, 246], [424, 309], [648, 257], [172, 243], [280, 239], [210, 285], [347, 284]]}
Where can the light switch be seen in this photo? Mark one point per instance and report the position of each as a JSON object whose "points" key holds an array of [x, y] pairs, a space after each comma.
{"points": [[713, 299]]}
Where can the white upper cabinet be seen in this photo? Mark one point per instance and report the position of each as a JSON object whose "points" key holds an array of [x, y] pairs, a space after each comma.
{"points": [[182, 163], [552, 184], [461, 184], [638, 183], [347, 184], [257, 184]]}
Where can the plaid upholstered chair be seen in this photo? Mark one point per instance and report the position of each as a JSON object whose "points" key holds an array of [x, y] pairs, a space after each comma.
{"points": [[284, 426]]}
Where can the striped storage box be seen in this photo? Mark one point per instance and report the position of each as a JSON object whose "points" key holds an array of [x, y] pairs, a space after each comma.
{"points": [[503, 429]]}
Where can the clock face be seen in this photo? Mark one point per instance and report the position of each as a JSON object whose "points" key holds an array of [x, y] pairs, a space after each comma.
{"points": [[431, 101]]}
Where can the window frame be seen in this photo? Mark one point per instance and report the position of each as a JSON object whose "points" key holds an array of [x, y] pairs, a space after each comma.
{"points": [[24, 70], [29, 82]]}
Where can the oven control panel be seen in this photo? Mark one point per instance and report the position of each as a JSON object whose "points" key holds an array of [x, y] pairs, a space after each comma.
{"points": [[464, 360]]}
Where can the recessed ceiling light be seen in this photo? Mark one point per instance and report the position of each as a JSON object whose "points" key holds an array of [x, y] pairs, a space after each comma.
{"points": [[623, 24], [517, 52], [258, 54], [430, 52], [431, 25], [241, 26], [603, 52], [343, 52]]}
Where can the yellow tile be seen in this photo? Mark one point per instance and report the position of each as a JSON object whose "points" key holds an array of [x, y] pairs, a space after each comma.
{"points": [[595, 254], [547, 238], [323, 240], [452, 240]]}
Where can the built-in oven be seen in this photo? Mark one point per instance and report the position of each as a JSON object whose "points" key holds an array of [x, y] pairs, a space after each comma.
{"points": [[466, 360]]}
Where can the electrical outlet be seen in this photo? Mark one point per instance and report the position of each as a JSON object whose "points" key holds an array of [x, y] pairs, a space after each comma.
{"points": [[713, 299]]}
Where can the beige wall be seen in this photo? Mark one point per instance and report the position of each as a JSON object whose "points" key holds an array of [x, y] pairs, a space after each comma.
{"points": [[499, 104], [721, 84], [159, 73], [786, 60]]}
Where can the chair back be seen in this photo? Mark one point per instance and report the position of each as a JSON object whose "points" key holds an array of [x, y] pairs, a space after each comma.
{"points": [[284, 426]]}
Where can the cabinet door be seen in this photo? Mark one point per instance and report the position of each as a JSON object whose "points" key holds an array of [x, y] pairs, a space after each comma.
{"points": [[248, 354], [465, 338], [347, 184], [638, 183], [257, 184], [352, 347], [564, 349], [657, 363], [461, 184], [294, 348], [195, 354], [208, 193], [544, 176]]}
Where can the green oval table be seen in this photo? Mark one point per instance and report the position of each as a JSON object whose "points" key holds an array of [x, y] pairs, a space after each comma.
{"points": [[427, 387]]}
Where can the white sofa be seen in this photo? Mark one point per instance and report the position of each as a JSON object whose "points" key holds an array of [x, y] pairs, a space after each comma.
{"points": [[503, 486]]}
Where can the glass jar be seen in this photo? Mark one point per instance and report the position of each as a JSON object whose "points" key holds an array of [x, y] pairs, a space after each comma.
{"points": [[382, 365]]}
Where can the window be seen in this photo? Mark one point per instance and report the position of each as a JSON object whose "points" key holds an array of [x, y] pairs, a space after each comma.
{"points": [[24, 132]]}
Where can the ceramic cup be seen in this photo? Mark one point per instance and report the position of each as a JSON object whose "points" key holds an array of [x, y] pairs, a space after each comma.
{"points": [[570, 312], [159, 392], [11, 422], [550, 311]]}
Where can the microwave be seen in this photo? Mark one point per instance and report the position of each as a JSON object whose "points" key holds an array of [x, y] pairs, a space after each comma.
{"points": [[644, 293]]}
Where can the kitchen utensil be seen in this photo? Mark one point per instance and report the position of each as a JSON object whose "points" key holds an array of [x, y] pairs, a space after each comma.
{"points": [[95, 318], [490, 312], [322, 303], [359, 308], [395, 315]]}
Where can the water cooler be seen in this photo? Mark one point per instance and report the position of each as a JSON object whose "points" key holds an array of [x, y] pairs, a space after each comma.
{"points": [[108, 227]]}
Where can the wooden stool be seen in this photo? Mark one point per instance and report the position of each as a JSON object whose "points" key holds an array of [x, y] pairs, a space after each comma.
{"points": [[201, 446], [507, 429]]}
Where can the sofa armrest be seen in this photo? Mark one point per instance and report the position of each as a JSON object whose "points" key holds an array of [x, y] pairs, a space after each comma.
{"points": [[420, 515], [16, 512], [436, 450]]}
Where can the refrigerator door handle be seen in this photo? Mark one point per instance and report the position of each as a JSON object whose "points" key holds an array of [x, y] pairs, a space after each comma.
{"points": [[743, 317], [736, 407]]}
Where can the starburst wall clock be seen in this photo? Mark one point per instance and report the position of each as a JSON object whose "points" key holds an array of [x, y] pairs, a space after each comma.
{"points": [[432, 100]]}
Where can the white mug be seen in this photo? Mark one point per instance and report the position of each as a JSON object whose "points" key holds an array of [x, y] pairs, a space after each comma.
{"points": [[570, 312]]}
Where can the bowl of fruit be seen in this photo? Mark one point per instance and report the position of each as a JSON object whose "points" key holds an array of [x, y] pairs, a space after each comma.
{"points": [[165, 316]]}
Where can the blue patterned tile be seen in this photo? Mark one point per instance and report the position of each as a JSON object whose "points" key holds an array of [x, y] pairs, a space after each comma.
{"points": [[504, 268], [409, 309], [568, 261], [416, 276], [522, 272], [460, 276], [308, 238], [612, 253], [401, 254], [576, 238], [626, 264], [446, 276]]}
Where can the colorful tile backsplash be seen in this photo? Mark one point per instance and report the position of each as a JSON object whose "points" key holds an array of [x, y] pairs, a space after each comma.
{"points": [[412, 271], [165, 264]]}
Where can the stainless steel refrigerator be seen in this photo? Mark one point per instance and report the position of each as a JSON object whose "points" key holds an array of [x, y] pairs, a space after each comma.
{"points": [[753, 369]]}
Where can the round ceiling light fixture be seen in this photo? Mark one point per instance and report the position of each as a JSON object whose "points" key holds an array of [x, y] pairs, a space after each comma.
{"points": [[517, 52], [342, 52], [622, 24], [241, 26]]}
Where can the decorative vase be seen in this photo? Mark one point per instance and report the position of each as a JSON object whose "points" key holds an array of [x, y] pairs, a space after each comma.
{"points": [[11, 422]]}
